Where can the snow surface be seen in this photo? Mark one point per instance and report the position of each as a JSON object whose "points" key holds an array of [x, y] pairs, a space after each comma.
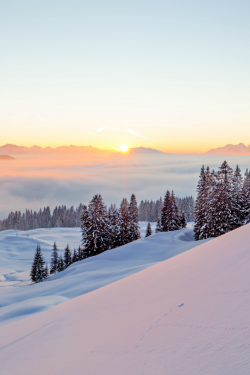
{"points": [[20, 298], [186, 315]]}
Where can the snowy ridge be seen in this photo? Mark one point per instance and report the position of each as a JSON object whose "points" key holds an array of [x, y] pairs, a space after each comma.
{"points": [[187, 315], [20, 299]]}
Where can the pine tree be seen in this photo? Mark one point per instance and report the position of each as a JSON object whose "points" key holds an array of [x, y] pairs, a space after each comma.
{"points": [[222, 218], [201, 206], [134, 229], [239, 208], [46, 271], [38, 270], [54, 260], [149, 230], [246, 197], [158, 226], [115, 228], [124, 222], [67, 257], [60, 264], [183, 221], [74, 256], [95, 227], [170, 214]]}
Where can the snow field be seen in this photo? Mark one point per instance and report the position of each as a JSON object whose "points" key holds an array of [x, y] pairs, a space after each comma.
{"points": [[186, 315], [19, 298]]}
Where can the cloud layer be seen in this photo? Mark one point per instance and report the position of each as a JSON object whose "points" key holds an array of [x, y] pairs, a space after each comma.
{"points": [[35, 184]]}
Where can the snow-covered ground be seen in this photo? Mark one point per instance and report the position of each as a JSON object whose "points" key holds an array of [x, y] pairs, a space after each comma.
{"points": [[20, 298], [186, 315]]}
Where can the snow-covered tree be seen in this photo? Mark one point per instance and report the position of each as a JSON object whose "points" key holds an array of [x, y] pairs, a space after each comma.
{"points": [[183, 221], [60, 264], [170, 214], [148, 230], [158, 228], [67, 257], [75, 256], [38, 269], [134, 229], [124, 222], [95, 227], [54, 260]]}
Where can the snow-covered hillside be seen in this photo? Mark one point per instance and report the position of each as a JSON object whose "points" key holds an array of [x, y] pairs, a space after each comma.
{"points": [[19, 298], [186, 315]]}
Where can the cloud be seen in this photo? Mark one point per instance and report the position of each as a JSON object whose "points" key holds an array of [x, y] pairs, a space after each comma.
{"points": [[105, 128], [136, 134]]}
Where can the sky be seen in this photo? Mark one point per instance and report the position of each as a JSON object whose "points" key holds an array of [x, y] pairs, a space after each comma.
{"points": [[170, 75]]}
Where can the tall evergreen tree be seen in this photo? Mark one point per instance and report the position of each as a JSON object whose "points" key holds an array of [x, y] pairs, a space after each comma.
{"points": [[124, 222], [246, 197], [239, 208], [115, 228], [201, 206], [75, 256], [95, 227], [38, 270], [158, 226], [183, 221], [148, 230], [134, 229], [222, 201], [170, 215], [60, 264], [67, 257], [54, 260]]}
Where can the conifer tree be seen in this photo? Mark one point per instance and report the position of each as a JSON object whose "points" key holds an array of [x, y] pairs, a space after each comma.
{"points": [[115, 228], [54, 260], [80, 253], [38, 271], [134, 229], [60, 264], [158, 226], [46, 271], [74, 256], [222, 218], [148, 230], [246, 197], [67, 257], [95, 227], [239, 207], [170, 215], [201, 206], [124, 222], [183, 221]]}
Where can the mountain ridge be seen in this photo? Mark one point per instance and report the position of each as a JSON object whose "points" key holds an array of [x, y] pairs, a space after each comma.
{"points": [[230, 149]]}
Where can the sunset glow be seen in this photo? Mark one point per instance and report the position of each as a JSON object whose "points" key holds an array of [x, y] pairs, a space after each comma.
{"points": [[124, 148]]}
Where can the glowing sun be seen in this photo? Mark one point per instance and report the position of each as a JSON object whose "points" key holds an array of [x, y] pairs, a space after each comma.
{"points": [[124, 148]]}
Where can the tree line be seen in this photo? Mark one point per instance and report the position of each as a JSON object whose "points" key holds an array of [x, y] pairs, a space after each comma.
{"points": [[104, 230], [71, 217], [223, 201], [61, 217]]}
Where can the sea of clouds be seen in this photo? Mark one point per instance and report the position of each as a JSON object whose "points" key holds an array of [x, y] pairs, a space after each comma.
{"points": [[33, 185]]}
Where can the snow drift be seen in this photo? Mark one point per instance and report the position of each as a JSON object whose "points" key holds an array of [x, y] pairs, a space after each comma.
{"points": [[19, 299], [186, 315]]}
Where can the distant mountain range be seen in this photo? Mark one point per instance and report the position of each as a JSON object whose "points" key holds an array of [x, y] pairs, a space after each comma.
{"points": [[11, 149], [37, 150], [239, 149], [6, 157]]}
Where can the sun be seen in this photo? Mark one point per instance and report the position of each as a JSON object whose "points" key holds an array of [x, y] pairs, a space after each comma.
{"points": [[124, 148]]}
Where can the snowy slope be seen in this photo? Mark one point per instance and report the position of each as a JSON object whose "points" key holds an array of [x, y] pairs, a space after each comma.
{"points": [[187, 315], [19, 298]]}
